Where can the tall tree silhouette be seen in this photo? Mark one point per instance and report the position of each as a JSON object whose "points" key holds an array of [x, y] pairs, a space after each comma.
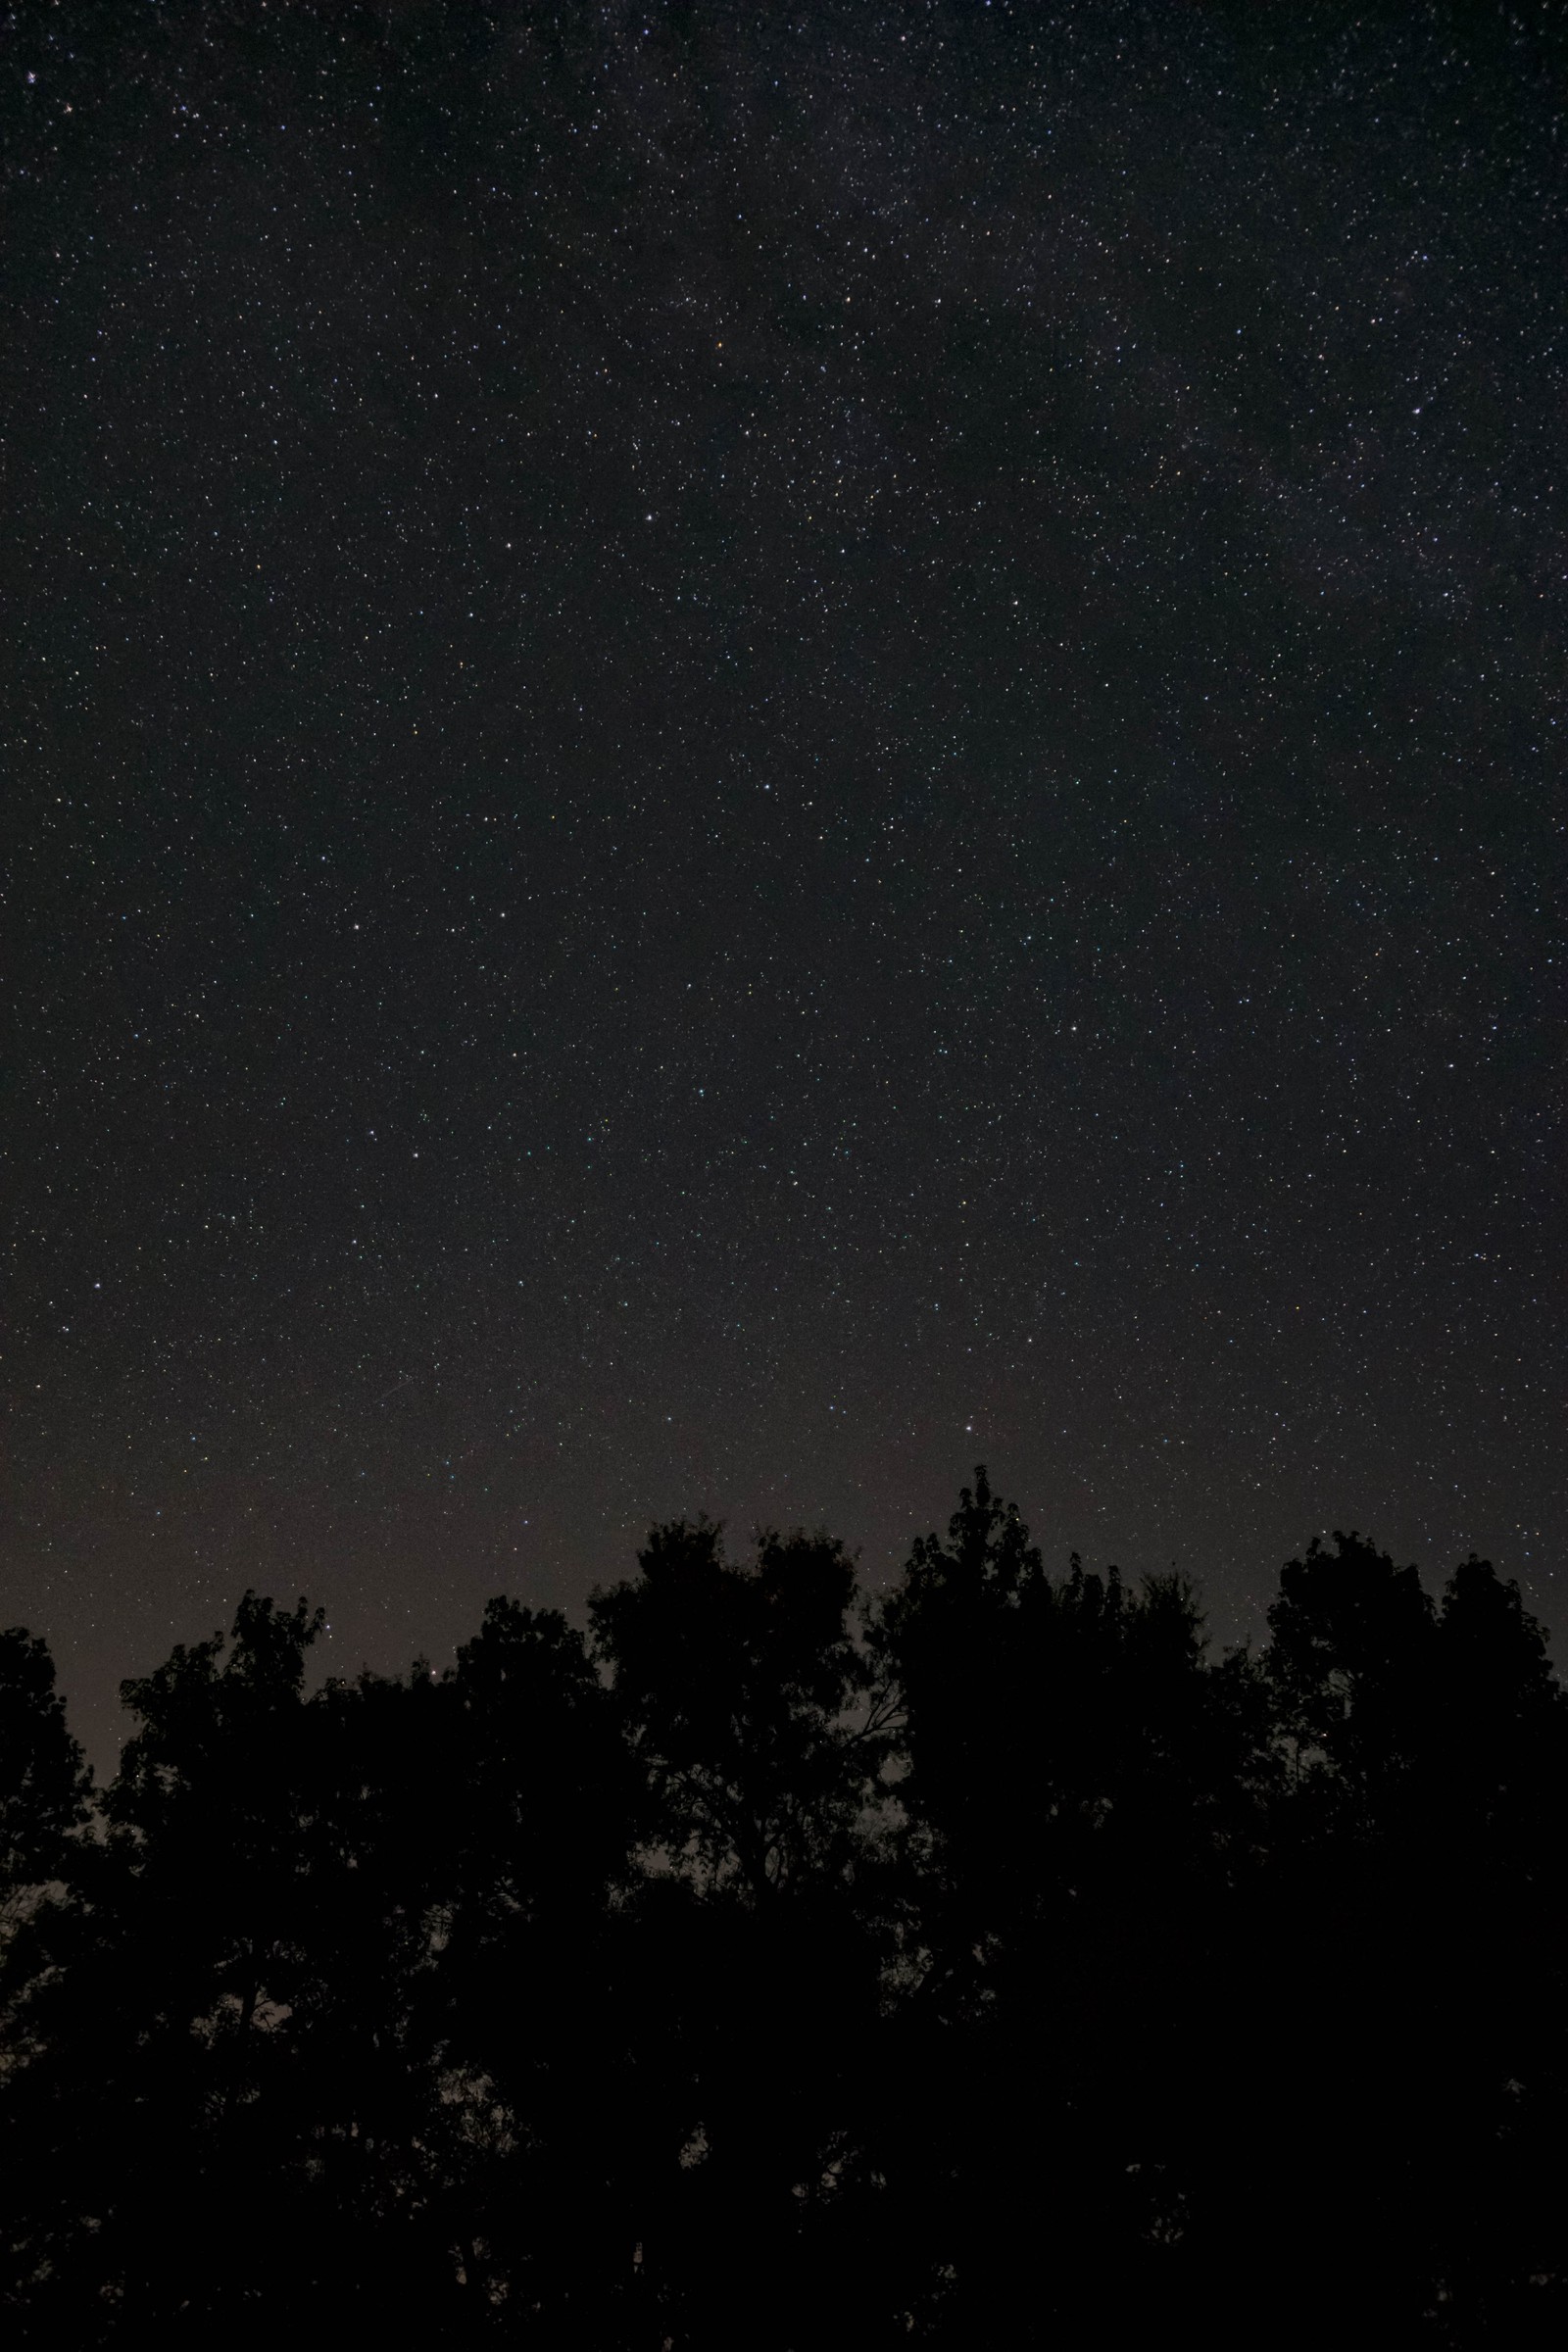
{"points": [[749, 1706], [535, 1987], [44, 1784], [988, 1965], [1079, 1790], [1405, 1977], [163, 2081]]}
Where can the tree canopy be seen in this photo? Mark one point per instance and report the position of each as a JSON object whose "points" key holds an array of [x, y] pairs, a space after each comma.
{"points": [[988, 1962]]}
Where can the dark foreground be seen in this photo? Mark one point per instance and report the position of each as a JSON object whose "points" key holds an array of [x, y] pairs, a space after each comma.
{"points": [[991, 1967]]}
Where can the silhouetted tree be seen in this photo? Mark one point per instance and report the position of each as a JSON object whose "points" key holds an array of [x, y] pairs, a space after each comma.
{"points": [[45, 1790], [750, 1708], [988, 1966], [44, 1784], [1405, 1981], [1079, 1793], [738, 1687], [535, 1987]]}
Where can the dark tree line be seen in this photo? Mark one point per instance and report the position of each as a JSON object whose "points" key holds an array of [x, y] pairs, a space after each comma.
{"points": [[989, 1966]]}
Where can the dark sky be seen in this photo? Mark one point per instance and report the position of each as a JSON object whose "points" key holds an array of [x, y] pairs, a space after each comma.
{"points": [[754, 752]]}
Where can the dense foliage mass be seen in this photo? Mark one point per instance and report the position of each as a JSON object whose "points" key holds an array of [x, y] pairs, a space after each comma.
{"points": [[985, 1965]]}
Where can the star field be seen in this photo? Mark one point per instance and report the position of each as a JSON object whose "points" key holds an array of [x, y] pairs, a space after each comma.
{"points": [[752, 758]]}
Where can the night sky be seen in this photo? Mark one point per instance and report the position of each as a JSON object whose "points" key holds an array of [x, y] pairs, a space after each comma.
{"points": [[753, 752]]}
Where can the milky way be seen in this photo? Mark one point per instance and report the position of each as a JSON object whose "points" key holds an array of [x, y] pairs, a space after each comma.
{"points": [[750, 759]]}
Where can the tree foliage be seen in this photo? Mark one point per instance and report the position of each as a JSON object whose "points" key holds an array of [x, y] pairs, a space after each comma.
{"points": [[989, 1963]]}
